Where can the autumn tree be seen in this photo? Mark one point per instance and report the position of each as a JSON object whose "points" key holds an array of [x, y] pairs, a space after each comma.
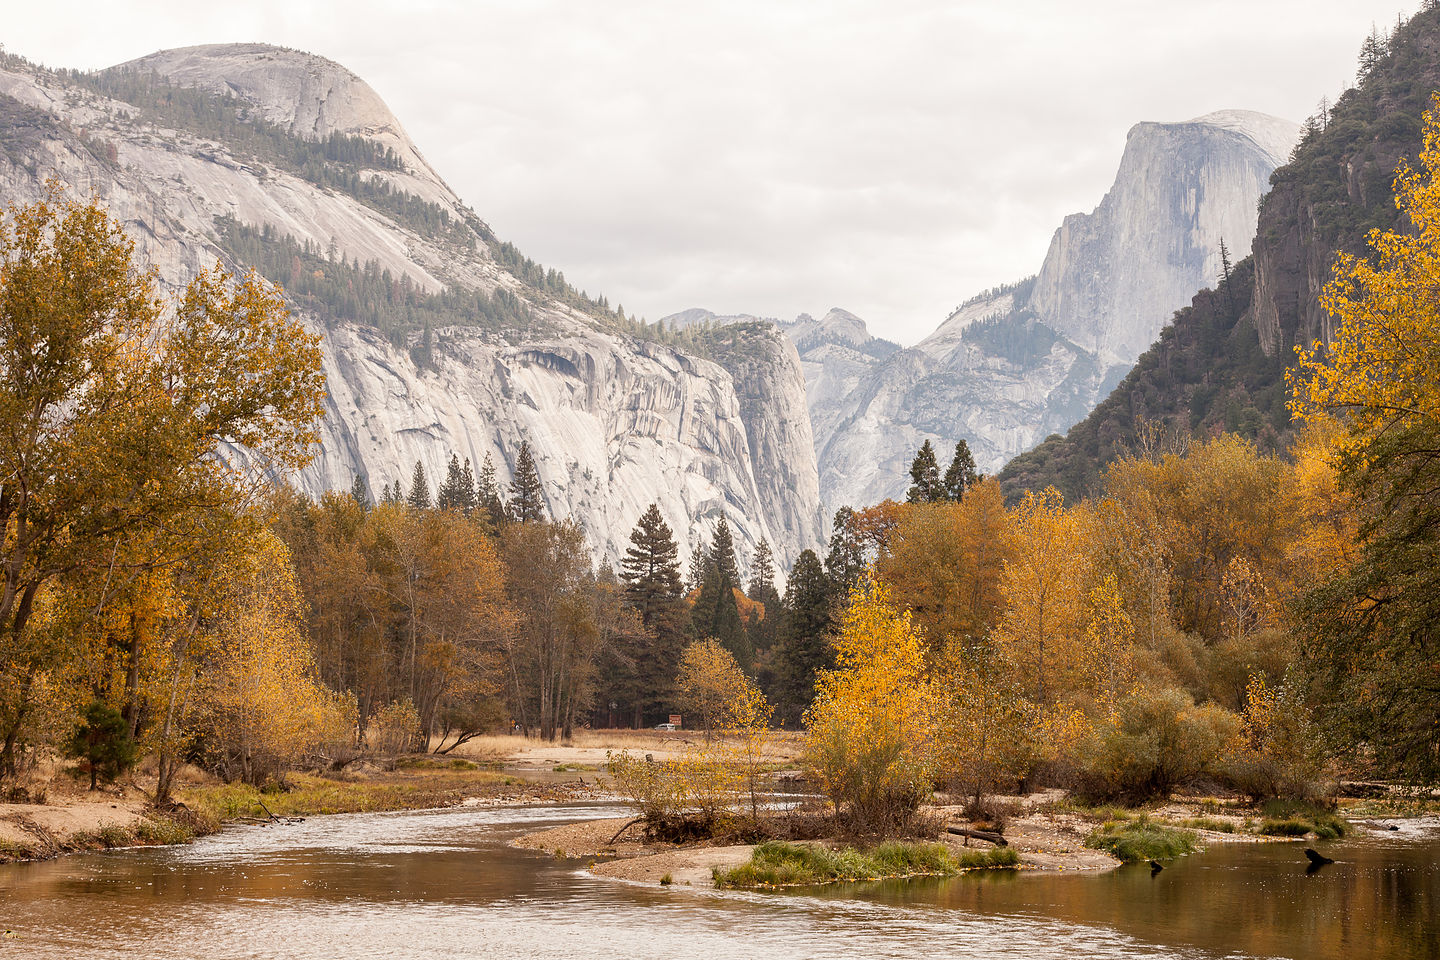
{"points": [[1371, 630], [1044, 584], [126, 423], [945, 561], [708, 682], [552, 652], [870, 729], [263, 706]]}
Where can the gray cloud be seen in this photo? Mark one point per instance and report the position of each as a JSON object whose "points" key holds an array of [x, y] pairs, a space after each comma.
{"points": [[776, 157]]}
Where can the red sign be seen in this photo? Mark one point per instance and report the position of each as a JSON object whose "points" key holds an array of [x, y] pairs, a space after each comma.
{"points": [[675, 719]]}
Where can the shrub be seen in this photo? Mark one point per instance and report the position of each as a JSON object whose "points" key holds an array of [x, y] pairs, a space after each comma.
{"points": [[1276, 750], [868, 743], [394, 728], [1288, 818], [1142, 839], [688, 798], [1157, 741]]}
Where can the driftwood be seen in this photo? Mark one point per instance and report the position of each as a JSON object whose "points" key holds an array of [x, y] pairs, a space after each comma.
{"points": [[1317, 859], [986, 835], [623, 829]]}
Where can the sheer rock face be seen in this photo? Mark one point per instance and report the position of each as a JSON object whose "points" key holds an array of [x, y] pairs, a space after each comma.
{"points": [[615, 422], [1012, 366]]}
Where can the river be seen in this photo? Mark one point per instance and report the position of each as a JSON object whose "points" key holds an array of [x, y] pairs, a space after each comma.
{"points": [[444, 884]]}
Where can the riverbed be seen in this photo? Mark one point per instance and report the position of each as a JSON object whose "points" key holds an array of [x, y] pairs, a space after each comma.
{"points": [[445, 884]]}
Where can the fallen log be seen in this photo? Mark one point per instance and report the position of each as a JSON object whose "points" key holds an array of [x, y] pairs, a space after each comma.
{"points": [[986, 835], [623, 829]]}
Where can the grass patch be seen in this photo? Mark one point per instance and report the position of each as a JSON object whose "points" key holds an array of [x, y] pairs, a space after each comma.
{"points": [[986, 859], [1289, 818], [778, 863], [1105, 813], [310, 795], [1207, 823], [434, 763], [1142, 839]]}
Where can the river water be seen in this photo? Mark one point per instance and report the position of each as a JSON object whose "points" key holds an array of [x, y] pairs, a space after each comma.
{"points": [[444, 884]]}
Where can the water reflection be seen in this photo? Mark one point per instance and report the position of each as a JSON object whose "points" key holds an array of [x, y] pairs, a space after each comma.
{"points": [[443, 884]]}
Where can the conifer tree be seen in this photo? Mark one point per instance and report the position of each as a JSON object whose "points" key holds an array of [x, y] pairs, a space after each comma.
{"points": [[846, 560], [695, 572], [358, 491], [924, 477], [651, 567], [419, 497], [722, 554], [962, 475], [803, 646], [653, 587], [467, 488], [762, 579], [450, 496], [487, 496], [527, 497]]}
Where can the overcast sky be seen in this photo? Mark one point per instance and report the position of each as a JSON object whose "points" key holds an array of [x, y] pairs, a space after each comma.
{"points": [[774, 157]]}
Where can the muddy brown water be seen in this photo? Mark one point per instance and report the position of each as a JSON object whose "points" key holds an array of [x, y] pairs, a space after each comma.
{"points": [[444, 884]]}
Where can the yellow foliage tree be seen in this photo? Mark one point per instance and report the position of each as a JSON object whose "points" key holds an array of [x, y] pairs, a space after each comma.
{"points": [[1045, 584], [264, 705], [944, 562], [870, 731]]}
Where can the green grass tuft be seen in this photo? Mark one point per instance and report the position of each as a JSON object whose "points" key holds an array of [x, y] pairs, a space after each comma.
{"points": [[1142, 839], [1207, 823], [781, 864], [1289, 818]]}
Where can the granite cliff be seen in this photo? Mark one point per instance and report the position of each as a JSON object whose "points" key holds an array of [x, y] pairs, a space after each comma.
{"points": [[438, 337]]}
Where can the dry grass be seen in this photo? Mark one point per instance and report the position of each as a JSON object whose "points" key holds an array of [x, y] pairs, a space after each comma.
{"points": [[781, 746], [412, 789]]}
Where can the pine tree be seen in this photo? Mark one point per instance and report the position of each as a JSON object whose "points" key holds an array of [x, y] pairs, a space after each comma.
{"points": [[651, 567], [467, 488], [358, 492], [419, 497], [450, 496], [762, 579], [487, 496], [924, 477], [846, 560], [962, 475], [722, 553], [695, 572], [527, 497], [803, 645]]}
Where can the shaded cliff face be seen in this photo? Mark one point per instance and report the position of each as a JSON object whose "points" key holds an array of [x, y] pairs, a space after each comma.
{"points": [[1339, 185], [472, 350], [1027, 360]]}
